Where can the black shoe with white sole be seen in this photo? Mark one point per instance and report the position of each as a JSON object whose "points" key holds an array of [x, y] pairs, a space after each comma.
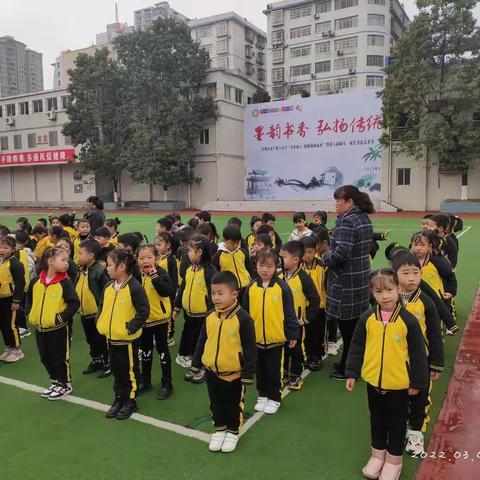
{"points": [[114, 409], [60, 391], [165, 392], [128, 408]]}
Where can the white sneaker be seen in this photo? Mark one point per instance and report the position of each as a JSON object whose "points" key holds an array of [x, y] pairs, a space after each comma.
{"points": [[449, 332], [60, 391], [171, 342], [6, 353], [332, 348], [48, 391], [216, 441], [180, 360], [271, 407], [14, 355], [188, 362], [261, 404], [24, 332], [230, 443], [414, 442]]}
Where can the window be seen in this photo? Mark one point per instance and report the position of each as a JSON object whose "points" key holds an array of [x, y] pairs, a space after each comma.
{"points": [[299, 32], [339, 4], [249, 35], [375, 81], [322, 27], [31, 140], [203, 32], [344, 83], [346, 44], [205, 136], [376, 20], [17, 142], [278, 92], [299, 70], [221, 28], [299, 89], [249, 68], [323, 87], [37, 106], [212, 90], [277, 55], [238, 95], [53, 138], [322, 48], [68, 140], [375, 40], [222, 63], [324, 6], [300, 51], [260, 58], [249, 100], [228, 92], [262, 75], [23, 108], [300, 12], [277, 37], [377, 2], [1, 111], [321, 67], [208, 48], [3, 143], [374, 61], [403, 176], [277, 17], [248, 51], [52, 104], [345, 62], [261, 42], [277, 75], [11, 110], [66, 101], [222, 47], [347, 22]]}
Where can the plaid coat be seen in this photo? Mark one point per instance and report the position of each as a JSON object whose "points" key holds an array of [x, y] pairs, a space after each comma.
{"points": [[348, 262]]}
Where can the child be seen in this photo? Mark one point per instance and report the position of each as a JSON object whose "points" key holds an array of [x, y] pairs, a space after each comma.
{"points": [[268, 230], [43, 241], [226, 348], [261, 241], [269, 301], [193, 297], [41, 222], [409, 274], [72, 268], [83, 233], [388, 352], [102, 236], [301, 230], [159, 289], [306, 301], [91, 281], [121, 316], [441, 224], [319, 222], [255, 223], [51, 304], [56, 233], [12, 288], [315, 330], [54, 221], [269, 219], [112, 225], [230, 257], [426, 222], [177, 224], [236, 222], [163, 225], [23, 224], [66, 222]]}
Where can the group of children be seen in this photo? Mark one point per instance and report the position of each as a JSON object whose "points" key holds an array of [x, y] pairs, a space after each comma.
{"points": [[252, 307]]}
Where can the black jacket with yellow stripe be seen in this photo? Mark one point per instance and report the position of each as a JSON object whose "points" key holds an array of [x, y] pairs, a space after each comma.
{"points": [[317, 273], [171, 264], [51, 305], [123, 313], [273, 312], [22, 255], [442, 309], [91, 281], [226, 345], [158, 288], [391, 356], [12, 279], [237, 262]]}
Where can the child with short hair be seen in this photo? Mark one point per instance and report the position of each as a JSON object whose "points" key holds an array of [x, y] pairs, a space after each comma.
{"points": [[226, 349], [301, 230], [43, 241], [164, 224], [83, 233], [441, 225], [91, 280], [66, 222], [255, 223], [123, 311], [269, 219], [269, 301], [56, 233], [103, 236], [388, 352]]}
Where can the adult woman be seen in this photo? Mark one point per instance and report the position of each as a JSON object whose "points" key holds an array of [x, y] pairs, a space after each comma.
{"points": [[348, 265], [95, 214]]}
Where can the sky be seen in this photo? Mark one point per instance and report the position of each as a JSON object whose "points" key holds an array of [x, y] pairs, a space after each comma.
{"points": [[51, 26]]}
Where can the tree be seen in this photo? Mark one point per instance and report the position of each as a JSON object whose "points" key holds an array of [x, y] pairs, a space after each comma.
{"points": [[98, 115], [261, 96], [433, 85], [164, 70]]}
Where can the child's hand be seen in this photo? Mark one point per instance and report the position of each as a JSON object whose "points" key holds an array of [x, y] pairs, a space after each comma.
{"points": [[292, 343], [152, 269], [413, 391], [301, 322], [447, 296], [434, 375], [50, 215], [15, 307], [350, 384], [174, 314]]}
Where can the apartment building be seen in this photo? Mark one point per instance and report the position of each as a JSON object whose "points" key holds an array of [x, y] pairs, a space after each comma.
{"points": [[144, 17]]}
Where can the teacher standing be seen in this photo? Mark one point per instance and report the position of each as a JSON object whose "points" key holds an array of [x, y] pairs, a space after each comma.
{"points": [[95, 214], [348, 262]]}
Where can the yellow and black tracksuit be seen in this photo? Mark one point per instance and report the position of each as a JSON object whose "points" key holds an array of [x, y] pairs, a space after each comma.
{"points": [[158, 287], [226, 348], [51, 303], [76, 246], [123, 311], [91, 281], [193, 297], [250, 240], [12, 289], [391, 357], [272, 310], [73, 234], [443, 311], [237, 262], [307, 305], [22, 255], [41, 246], [171, 265]]}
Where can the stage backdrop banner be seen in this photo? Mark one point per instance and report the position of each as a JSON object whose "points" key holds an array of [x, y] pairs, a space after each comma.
{"points": [[304, 148]]}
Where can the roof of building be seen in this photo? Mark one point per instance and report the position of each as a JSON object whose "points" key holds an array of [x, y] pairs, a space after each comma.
{"points": [[202, 22]]}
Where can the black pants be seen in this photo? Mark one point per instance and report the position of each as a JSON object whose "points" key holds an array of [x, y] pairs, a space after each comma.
{"points": [[388, 419], [269, 372], [160, 333], [8, 323], [96, 341], [294, 358], [124, 367], [332, 327], [54, 349], [21, 317], [191, 331], [346, 329], [226, 403], [418, 408], [315, 337]]}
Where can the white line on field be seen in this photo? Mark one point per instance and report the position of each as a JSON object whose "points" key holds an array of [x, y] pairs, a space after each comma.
{"points": [[464, 232], [101, 407]]}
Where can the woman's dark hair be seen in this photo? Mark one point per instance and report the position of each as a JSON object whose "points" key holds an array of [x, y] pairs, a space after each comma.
{"points": [[66, 220], [146, 246], [381, 277], [96, 201], [359, 199], [265, 239], [113, 223], [25, 224], [123, 256], [254, 220], [21, 237], [299, 216], [405, 259], [201, 243], [171, 240], [267, 253], [322, 216], [9, 241]]}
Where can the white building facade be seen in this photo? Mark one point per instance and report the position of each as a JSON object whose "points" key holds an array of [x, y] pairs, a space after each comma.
{"points": [[144, 17]]}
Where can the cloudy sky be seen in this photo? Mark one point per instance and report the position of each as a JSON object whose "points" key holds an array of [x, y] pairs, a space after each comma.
{"points": [[50, 26]]}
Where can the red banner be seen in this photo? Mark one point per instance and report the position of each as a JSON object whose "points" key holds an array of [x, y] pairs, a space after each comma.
{"points": [[41, 157]]}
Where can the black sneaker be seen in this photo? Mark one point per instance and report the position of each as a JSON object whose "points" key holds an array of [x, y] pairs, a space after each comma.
{"points": [[114, 409], [199, 377], [188, 376], [165, 392], [144, 388], [93, 367], [337, 375], [128, 408], [104, 372], [315, 365]]}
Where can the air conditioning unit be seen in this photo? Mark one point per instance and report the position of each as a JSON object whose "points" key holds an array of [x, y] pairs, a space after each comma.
{"points": [[316, 16], [313, 76], [351, 71], [10, 121], [337, 91], [52, 115], [330, 34], [324, 34], [340, 53]]}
